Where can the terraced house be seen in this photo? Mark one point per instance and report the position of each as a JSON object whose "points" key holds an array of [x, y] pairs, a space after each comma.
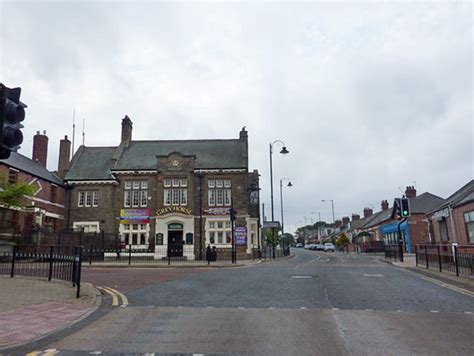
{"points": [[152, 194]]}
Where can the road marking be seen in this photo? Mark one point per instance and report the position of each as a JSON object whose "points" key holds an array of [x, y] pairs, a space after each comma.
{"points": [[297, 267], [209, 307], [441, 284], [467, 312], [121, 295], [149, 354], [301, 277], [303, 308], [335, 308], [271, 307], [240, 308], [399, 311], [368, 309], [95, 353], [434, 311], [113, 295], [33, 353], [372, 275], [328, 259], [50, 352]]}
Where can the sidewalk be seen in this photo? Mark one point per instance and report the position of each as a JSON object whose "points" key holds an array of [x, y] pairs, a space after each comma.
{"points": [[32, 308], [409, 263]]}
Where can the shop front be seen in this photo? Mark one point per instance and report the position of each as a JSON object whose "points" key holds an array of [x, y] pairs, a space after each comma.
{"points": [[174, 235]]}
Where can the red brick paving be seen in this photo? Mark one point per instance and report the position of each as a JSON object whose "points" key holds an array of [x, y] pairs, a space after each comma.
{"points": [[33, 321]]}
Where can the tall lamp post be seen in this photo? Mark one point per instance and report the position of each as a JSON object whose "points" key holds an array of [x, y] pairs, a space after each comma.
{"points": [[332, 204], [283, 151], [281, 205]]}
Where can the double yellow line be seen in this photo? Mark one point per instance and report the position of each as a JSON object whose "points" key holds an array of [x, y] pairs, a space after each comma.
{"points": [[116, 295]]}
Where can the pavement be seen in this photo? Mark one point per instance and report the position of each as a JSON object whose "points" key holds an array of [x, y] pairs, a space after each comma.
{"points": [[409, 263], [32, 308]]}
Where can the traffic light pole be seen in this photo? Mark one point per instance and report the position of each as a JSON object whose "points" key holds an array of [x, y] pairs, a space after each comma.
{"points": [[400, 241]]}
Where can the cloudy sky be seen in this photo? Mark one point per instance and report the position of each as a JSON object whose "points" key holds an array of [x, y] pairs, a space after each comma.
{"points": [[367, 96]]}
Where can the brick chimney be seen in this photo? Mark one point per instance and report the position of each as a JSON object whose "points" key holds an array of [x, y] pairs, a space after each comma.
{"points": [[345, 221], [244, 145], [368, 212], [40, 148], [410, 192], [64, 154], [338, 223], [384, 205], [355, 217], [127, 127]]}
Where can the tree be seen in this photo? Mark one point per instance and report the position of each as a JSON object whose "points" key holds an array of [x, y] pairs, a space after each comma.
{"points": [[11, 194], [342, 241]]}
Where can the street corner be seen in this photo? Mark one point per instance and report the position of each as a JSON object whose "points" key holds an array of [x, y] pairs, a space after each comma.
{"points": [[32, 309]]}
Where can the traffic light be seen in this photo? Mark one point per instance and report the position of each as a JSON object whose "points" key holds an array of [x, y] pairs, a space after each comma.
{"points": [[404, 207], [232, 214], [12, 113]]}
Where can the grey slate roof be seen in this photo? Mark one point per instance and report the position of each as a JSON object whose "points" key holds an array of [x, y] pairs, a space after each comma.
{"points": [[209, 153], [377, 218], [25, 164], [91, 163], [424, 203], [460, 197], [95, 163]]}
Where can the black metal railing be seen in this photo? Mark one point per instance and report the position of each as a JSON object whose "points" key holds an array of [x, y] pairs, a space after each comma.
{"points": [[452, 258], [394, 252], [175, 255], [51, 262]]}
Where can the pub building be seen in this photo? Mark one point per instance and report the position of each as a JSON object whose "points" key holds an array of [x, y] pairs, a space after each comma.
{"points": [[166, 192]]}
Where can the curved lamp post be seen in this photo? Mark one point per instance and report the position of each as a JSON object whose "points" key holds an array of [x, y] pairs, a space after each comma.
{"points": [[281, 200], [332, 204], [283, 151]]}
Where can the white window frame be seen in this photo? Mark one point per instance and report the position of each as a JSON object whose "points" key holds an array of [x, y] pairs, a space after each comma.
{"points": [[127, 231], [95, 198], [213, 230], [89, 226], [81, 199]]}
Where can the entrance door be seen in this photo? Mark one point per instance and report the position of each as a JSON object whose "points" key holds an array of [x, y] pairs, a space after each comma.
{"points": [[175, 242]]}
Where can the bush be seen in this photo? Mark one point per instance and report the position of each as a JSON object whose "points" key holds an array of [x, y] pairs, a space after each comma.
{"points": [[342, 241]]}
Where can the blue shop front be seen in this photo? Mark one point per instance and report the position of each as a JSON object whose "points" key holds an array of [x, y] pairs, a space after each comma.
{"points": [[390, 234]]}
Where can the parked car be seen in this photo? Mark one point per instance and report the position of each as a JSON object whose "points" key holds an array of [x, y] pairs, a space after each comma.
{"points": [[319, 247], [299, 244], [306, 247], [328, 247]]}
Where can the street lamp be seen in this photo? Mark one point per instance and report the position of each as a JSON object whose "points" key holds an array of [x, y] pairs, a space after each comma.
{"points": [[281, 200], [332, 204], [283, 151]]}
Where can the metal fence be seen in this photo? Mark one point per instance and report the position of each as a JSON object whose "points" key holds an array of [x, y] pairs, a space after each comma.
{"points": [[394, 252], [175, 255], [452, 258], [51, 262]]}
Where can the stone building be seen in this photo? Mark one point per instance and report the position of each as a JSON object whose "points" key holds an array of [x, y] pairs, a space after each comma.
{"points": [[152, 194]]}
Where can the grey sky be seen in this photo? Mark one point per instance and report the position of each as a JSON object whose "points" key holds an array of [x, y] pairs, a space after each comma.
{"points": [[368, 97]]}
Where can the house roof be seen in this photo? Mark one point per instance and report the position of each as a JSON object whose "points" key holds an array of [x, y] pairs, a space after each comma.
{"points": [[95, 163], [377, 218], [27, 165], [462, 196], [424, 203]]}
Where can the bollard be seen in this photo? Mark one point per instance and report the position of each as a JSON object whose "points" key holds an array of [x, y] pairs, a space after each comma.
{"points": [[13, 261], [50, 273], [129, 254], [456, 259], [426, 258], [90, 254], [78, 282], [416, 255], [439, 259]]}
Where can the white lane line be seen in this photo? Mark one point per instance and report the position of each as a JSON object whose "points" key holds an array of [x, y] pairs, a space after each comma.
{"points": [[240, 308], [467, 312], [271, 307], [301, 277], [372, 275], [399, 311], [368, 309], [297, 267], [335, 308], [209, 307], [434, 311], [303, 308]]}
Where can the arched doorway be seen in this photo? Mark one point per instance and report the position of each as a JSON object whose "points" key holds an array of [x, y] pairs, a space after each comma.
{"points": [[175, 240]]}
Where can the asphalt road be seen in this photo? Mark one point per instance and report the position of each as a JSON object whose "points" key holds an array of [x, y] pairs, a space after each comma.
{"points": [[314, 304]]}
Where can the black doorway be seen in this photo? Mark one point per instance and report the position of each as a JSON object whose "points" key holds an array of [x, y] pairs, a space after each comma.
{"points": [[175, 243]]}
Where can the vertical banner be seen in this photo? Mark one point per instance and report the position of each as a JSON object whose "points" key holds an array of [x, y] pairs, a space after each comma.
{"points": [[240, 235]]}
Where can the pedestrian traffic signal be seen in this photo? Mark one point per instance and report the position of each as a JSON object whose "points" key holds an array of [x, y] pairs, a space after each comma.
{"points": [[404, 207], [12, 113]]}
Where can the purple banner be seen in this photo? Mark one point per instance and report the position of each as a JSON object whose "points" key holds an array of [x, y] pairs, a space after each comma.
{"points": [[240, 235]]}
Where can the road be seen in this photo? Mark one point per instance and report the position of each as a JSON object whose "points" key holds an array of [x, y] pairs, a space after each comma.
{"points": [[313, 304]]}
